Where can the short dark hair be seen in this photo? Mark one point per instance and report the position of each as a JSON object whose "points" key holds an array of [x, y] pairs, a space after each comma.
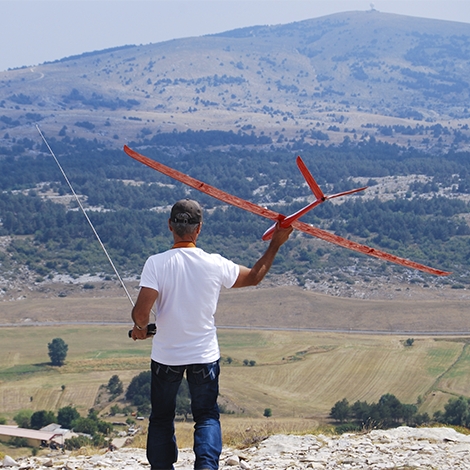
{"points": [[183, 230]]}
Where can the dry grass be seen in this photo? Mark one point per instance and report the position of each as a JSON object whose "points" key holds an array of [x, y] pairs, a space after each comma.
{"points": [[304, 374], [299, 375], [244, 432]]}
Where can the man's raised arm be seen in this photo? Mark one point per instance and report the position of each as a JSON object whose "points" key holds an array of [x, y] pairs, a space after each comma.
{"points": [[252, 277]]}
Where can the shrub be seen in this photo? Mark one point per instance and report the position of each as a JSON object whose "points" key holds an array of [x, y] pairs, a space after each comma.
{"points": [[85, 124], [77, 442], [18, 442], [347, 427]]}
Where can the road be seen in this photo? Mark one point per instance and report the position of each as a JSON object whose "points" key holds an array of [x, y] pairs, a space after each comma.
{"points": [[261, 328]]}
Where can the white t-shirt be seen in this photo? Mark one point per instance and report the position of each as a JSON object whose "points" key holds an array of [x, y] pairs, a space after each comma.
{"points": [[188, 282]]}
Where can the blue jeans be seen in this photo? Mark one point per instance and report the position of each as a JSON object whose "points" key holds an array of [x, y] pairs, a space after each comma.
{"points": [[203, 381]]}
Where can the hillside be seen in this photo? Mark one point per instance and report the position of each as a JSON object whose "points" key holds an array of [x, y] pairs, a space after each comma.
{"points": [[352, 75], [233, 110]]}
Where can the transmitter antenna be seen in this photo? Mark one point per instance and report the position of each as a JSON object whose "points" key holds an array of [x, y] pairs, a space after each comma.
{"points": [[86, 216]]}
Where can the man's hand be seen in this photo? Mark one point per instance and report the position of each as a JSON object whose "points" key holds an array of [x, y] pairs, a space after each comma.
{"points": [[139, 334], [141, 312], [280, 235]]}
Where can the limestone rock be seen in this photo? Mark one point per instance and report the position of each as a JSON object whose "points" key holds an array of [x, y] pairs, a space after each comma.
{"points": [[403, 447], [9, 462]]}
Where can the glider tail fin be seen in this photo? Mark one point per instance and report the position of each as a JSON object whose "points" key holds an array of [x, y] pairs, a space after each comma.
{"points": [[313, 185]]}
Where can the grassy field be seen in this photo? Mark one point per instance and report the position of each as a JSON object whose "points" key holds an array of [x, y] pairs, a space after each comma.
{"points": [[299, 375], [94, 355]]}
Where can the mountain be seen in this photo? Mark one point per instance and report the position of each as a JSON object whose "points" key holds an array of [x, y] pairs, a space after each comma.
{"points": [[351, 75]]}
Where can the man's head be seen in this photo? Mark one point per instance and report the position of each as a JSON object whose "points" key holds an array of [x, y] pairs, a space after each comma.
{"points": [[185, 217]]}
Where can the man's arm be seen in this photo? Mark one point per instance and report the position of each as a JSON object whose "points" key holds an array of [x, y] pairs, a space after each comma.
{"points": [[252, 277], [141, 312]]}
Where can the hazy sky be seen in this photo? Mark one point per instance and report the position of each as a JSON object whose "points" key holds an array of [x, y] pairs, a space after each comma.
{"points": [[35, 31]]}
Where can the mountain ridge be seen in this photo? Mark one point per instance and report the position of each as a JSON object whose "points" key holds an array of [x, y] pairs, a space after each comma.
{"points": [[348, 76]]}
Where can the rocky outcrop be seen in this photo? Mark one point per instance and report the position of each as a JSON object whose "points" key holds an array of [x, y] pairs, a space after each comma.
{"points": [[400, 448]]}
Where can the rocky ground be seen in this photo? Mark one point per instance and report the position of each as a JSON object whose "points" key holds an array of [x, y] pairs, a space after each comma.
{"points": [[402, 448], [384, 287]]}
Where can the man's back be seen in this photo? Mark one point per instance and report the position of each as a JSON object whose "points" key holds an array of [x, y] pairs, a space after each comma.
{"points": [[188, 282]]}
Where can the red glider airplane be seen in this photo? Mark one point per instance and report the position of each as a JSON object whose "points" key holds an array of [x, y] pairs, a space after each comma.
{"points": [[285, 221]]}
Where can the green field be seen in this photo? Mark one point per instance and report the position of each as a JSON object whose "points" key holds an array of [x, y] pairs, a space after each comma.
{"points": [[298, 375]]}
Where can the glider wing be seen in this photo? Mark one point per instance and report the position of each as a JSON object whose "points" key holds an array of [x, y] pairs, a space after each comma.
{"points": [[366, 250], [204, 187], [269, 214]]}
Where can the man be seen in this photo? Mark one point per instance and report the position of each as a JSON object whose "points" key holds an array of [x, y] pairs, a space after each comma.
{"points": [[185, 282]]}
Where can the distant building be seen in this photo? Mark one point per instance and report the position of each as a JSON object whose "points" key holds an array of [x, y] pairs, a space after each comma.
{"points": [[50, 435], [61, 434]]}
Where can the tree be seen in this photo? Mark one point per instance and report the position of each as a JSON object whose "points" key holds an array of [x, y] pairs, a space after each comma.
{"points": [[391, 410], [341, 411], [267, 413], [42, 418], [138, 392], [57, 351], [93, 414], [115, 386], [114, 410], [66, 415], [421, 418], [457, 412], [410, 414], [86, 426], [23, 418], [362, 412]]}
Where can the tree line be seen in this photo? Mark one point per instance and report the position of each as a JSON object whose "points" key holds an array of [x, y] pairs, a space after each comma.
{"points": [[83, 159], [389, 412], [61, 241], [430, 230]]}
